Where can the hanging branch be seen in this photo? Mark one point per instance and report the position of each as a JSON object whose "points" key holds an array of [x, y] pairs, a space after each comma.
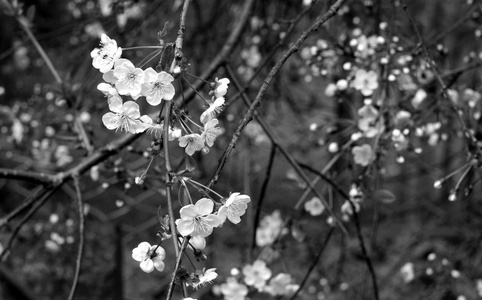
{"points": [[257, 102]]}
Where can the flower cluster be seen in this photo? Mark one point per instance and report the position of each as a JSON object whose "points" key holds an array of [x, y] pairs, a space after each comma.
{"points": [[258, 276], [123, 79]]}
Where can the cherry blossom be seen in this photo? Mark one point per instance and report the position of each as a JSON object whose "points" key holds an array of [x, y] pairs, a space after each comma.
{"points": [[315, 207], [125, 116], [105, 56], [192, 142], [233, 290], [363, 155], [203, 278], [215, 107], [220, 87], [129, 79], [197, 219], [256, 274], [270, 228], [365, 82], [157, 86], [281, 285], [150, 257], [234, 207], [210, 132]]}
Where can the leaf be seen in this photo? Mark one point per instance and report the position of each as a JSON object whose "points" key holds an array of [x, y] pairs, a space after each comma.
{"points": [[384, 196]]}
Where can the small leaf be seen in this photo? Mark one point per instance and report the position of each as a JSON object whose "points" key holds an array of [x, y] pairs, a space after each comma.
{"points": [[384, 196]]}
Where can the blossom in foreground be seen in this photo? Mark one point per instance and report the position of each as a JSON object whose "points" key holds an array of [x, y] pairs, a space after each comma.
{"points": [[197, 219], [256, 274], [363, 155], [129, 79], [215, 107], [125, 116], [192, 142], [314, 206], [220, 87], [210, 132], [281, 285], [233, 290], [203, 278], [365, 82], [157, 86], [150, 257], [105, 56], [234, 207]]}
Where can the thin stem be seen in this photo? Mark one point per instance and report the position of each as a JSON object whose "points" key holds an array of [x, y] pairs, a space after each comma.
{"points": [[204, 187], [264, 187], [194, 89], [313, 264], [142, 47], [80, 208], [184, 244], [197, 77]]}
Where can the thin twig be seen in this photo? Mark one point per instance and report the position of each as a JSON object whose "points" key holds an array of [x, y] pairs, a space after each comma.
{"points": [[257, 102], [78, 262], [313, 264], [269, 132], [184, 244], [262, 194]]}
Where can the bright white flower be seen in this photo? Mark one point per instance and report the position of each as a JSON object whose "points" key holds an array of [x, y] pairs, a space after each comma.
{"points": [[233, 290], [125, 116], [363, 155], [214, 108], [281, 285], [210, 132], [220, 87], [197, 219], [365, 82], [193, 142], [204, 277], [150, 257], [157, 86], [198, 242], [107, 89], [234, 207], [315, 207], [129, 79], [105, 56], [256, 274], [407, 272]]}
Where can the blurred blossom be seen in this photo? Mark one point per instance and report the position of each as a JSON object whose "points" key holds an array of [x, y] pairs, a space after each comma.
{"points": [[134, 11], [94, 29], [365, 82], [419, 97], [280, 285], [363, 155], [407, 272], [270, 228], [256, 274], [233, 290], [106, 7], [314, 206]]}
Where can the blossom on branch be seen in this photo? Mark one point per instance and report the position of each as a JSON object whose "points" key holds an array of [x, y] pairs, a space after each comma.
{"points": [[129, 79], [105, 56], [150, 257], [220, 87], [215, 107], [197, 219], [234, 208], [192, 142], [157, 86], [210, 132], [125, 116]]}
